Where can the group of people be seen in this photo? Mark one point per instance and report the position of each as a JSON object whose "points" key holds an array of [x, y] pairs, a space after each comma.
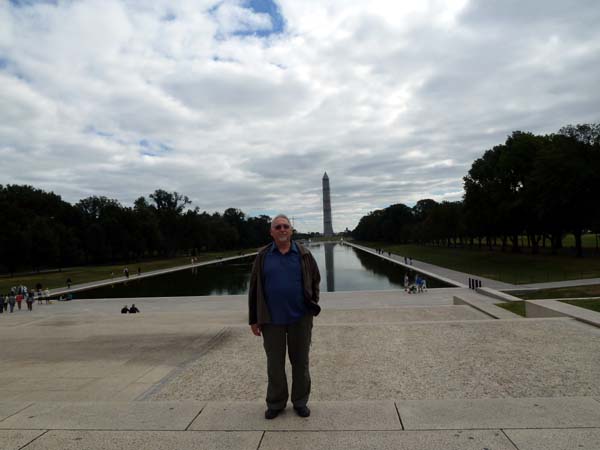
{"points": [[419, 285], [126, 272], [132, 310], [381, 251], [17, 294]]}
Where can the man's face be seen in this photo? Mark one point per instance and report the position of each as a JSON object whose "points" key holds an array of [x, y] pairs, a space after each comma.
{"points": [[281, 231]]}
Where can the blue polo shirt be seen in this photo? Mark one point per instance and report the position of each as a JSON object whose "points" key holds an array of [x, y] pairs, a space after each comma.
{"points": [[283, 285]]}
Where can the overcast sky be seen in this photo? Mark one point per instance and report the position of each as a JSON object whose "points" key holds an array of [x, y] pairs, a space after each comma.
{"points": [[246, 104]]}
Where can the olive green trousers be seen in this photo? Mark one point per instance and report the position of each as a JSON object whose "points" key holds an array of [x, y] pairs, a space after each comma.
{"points": [[297, 339]]}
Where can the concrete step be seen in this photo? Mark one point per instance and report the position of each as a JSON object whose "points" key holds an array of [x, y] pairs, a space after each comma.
{"points": [[399, 415]]}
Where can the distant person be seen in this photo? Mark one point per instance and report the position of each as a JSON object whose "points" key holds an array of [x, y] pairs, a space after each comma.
{"points": [[405, 260], [2, 303], [69, 282], [406, 282], [29, 299], [282, 300], [423, 284], [19, 299], [12, 299], [133, 309], [410, 260], [47, 295], [124, 310], [126, 272], [139, 271]]}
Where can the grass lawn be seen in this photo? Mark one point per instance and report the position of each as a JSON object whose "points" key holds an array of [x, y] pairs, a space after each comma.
{"points": [[592, 290], [594, 305], [86, 274], [587, 241], [521, 268], [514, 307]]}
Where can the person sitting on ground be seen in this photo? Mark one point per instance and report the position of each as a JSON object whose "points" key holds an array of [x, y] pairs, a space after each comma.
{"points": [[124, 310], [133, 309], [419, 283]]}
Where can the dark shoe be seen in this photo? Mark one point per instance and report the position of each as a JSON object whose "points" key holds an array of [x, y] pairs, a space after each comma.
{"points": [[302, 411], [272, 413]]}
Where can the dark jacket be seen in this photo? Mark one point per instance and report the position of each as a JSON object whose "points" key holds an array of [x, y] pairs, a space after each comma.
{"points": [[258, 312]]}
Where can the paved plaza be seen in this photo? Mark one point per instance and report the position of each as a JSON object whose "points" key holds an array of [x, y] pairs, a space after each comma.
{"points": [[390, 370]]}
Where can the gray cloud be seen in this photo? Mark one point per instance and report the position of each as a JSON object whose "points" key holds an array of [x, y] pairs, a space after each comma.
{"points": [[393, 99]]}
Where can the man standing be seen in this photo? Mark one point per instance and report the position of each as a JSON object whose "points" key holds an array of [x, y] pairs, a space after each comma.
{"points": [[283, 298]]}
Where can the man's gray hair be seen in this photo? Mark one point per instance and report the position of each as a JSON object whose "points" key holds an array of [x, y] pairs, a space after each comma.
{"points": [[280, 216]]}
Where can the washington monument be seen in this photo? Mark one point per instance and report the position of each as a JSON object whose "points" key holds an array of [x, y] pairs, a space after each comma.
{"points": [[327, 227]]}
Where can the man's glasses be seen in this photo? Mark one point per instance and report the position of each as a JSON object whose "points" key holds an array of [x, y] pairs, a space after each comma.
{"points": [[285, 226]]}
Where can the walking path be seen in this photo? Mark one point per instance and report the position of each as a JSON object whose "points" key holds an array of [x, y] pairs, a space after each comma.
{"points": [[453, 277], [558, 284], [462, 279]]}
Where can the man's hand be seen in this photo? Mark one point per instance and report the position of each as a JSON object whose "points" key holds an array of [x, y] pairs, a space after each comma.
{"points": [[255, 329]]}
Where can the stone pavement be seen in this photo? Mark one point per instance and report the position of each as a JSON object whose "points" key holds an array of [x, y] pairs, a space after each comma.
{"points": [[390, 370]]}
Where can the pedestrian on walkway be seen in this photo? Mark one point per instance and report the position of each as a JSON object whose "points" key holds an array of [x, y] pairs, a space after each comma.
{"points": [[2, 303], [69, 282], [19, 299], [30, 298], [11, 301], [406, 282], [282, 300]]}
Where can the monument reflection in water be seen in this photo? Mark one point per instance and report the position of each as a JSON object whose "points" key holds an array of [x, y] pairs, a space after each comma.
{"points": [[343, 268], [328, 246]]}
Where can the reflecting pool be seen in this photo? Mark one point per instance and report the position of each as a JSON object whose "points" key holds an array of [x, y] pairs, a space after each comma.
{"points": [[343, 268]]}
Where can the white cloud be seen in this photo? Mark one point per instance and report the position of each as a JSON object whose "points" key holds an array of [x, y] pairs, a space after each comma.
{"points": [[232, 16], [393, 99]]}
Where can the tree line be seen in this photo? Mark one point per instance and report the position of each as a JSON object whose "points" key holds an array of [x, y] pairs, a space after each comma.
{"points": [[532, 190], [39, 230]]}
